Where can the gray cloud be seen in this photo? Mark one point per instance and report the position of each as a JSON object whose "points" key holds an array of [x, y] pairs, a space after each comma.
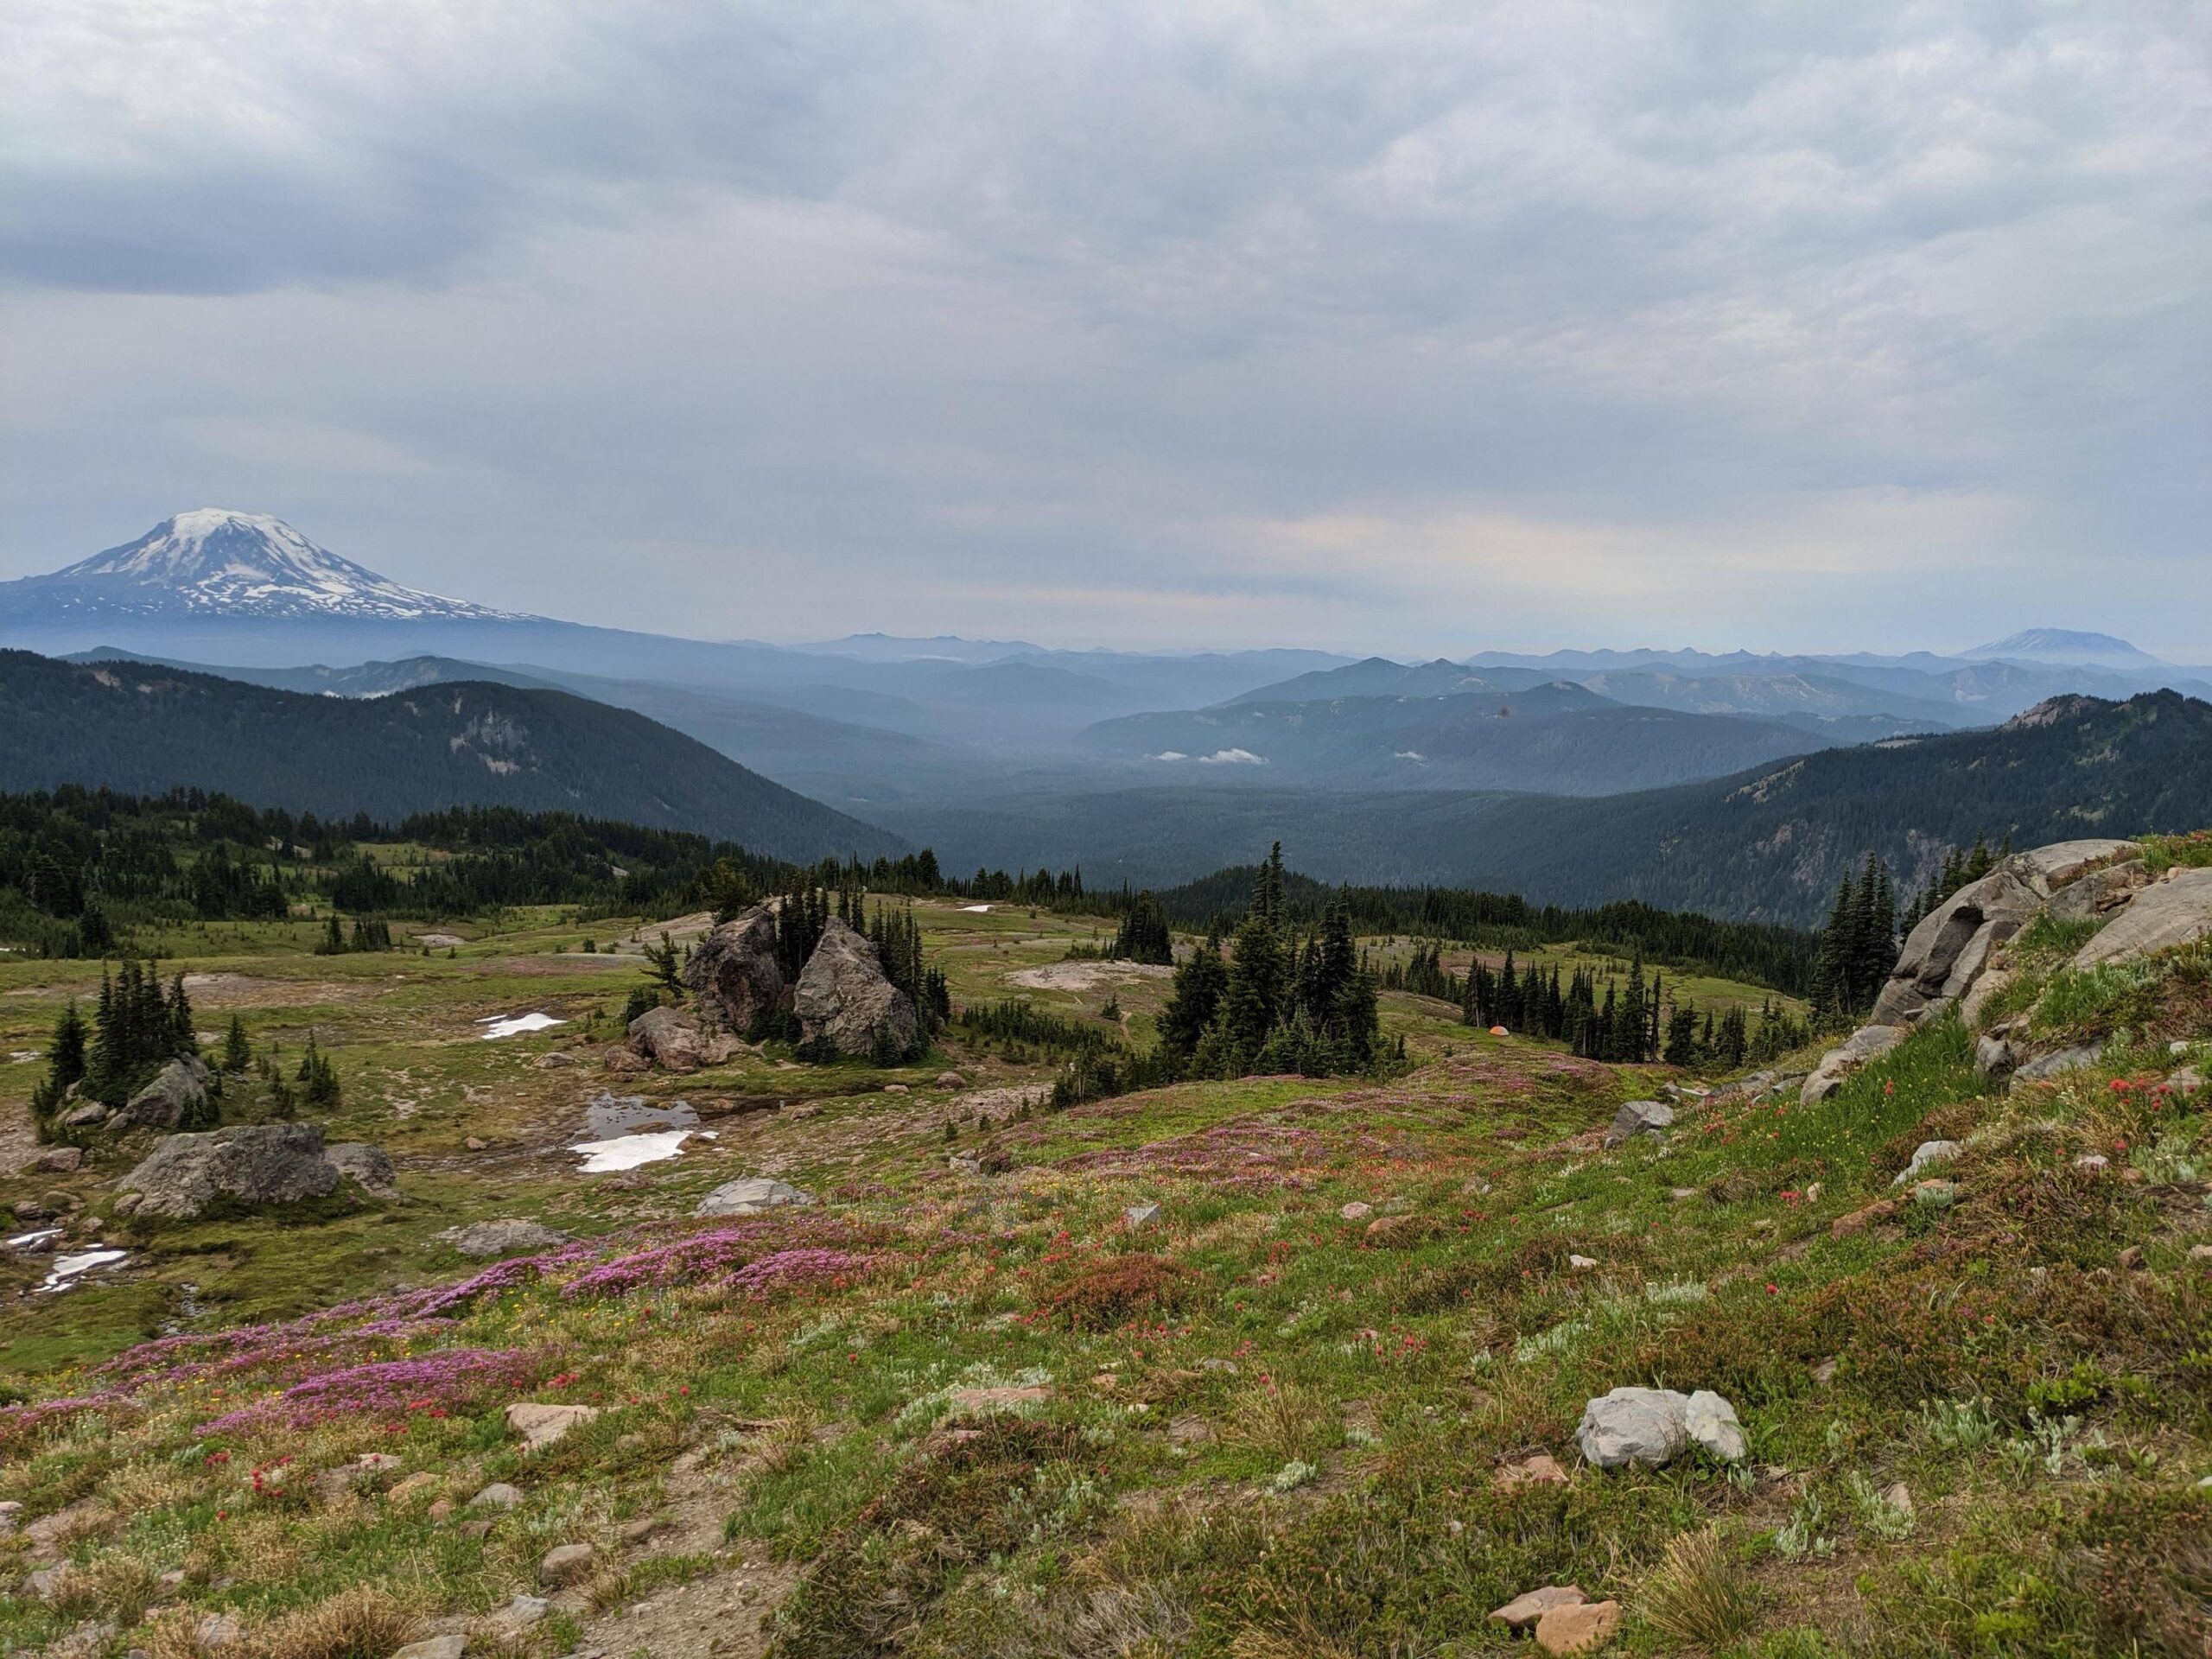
{"points": [[1409, 326]]}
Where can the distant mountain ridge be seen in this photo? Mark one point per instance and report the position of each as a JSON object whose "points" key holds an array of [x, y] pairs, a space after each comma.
{"points": [[146, 729]]}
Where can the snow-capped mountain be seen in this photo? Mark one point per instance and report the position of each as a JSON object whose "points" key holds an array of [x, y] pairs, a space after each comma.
{"points": [[212, 564], [2067, 646]]}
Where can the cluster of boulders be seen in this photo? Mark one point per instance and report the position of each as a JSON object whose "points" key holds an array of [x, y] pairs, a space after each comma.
{"points": [[842, 998], [251, 1165], [1954, 958]]}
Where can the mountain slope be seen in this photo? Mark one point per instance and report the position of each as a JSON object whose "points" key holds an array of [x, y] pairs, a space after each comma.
{"points": [[147, 729]]}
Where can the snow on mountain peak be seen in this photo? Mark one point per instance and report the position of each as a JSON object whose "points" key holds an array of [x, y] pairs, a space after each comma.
{"points": [[213, 561]]}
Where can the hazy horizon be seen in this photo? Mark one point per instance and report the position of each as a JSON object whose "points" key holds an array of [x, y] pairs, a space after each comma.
{"points": [[1404, 331]]}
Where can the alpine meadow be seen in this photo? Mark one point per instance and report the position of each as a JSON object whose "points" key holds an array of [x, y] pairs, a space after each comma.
{"points": [[1102, 832]]}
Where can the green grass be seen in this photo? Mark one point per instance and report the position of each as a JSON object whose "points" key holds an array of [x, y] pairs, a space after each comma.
{"points": [[1393, 1367]]}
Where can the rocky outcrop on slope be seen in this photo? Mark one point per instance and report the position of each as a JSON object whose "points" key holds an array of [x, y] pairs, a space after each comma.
{"points": [[1951, 959], [845, 1000]]}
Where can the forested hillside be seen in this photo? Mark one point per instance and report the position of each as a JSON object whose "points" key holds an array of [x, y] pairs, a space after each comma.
{"points": [[1766, 844], [1774, 844], [129, 727]]}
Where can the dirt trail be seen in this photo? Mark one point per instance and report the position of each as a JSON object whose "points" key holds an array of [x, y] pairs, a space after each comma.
{"points": [[720, 1613]]}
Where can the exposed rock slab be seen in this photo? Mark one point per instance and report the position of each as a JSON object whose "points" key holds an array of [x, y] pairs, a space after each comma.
{"points": [[370, 1165], [2172, 912], [541, 1424]]}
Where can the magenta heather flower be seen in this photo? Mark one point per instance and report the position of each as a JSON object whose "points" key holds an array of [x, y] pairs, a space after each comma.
{"points": [[742, 1257], [434, 1382]]}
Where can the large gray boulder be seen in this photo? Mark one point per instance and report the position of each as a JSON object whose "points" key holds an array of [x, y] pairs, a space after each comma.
{"points": [[174, 1097], [2175, 910], [844, 999], [735, 973], [675, 1041], [265, 1163]]}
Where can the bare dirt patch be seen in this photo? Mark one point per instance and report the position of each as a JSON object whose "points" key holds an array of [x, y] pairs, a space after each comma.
{"points": [[244, 990], [18, 1145], [1087, 976]]}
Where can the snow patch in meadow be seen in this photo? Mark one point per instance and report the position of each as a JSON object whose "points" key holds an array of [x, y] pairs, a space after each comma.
{"points": [[67, 1268], [629, 1151], [976, 909], [497, 1026]]}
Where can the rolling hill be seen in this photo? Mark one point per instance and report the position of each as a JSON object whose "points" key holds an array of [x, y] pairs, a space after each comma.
{"points": [[147, 728]]}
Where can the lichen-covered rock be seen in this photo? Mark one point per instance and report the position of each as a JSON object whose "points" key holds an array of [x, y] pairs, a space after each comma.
{"points": [[264, 1163], [1652, 1426], [844, 999], [177, 1097], [2056, 1064], [675, 1041], [736, 972], [1710, 1422]]}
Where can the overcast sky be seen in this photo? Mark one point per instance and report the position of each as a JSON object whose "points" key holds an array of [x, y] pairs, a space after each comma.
{"points": [[1377, 326]]}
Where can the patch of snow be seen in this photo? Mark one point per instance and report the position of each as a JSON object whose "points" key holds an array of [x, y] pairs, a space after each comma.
{"points": [[514, 1025], [976, 909], [629, 1151], [31, 1241], [67, 1268]]}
